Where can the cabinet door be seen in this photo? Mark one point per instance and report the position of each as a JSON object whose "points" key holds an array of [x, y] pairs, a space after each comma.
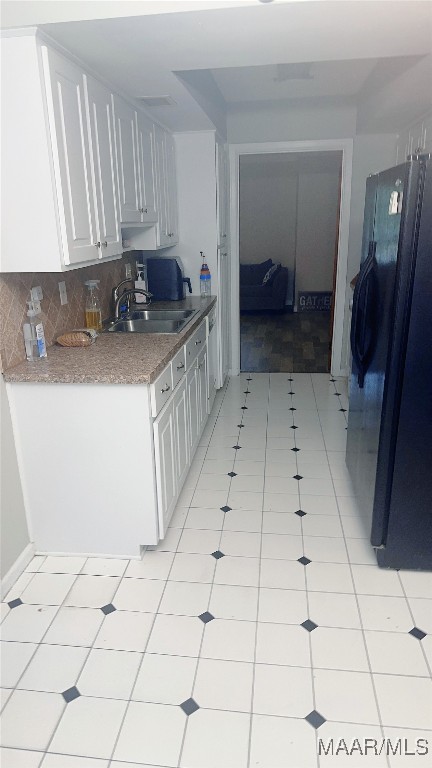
{"points": [[146, 164], [203, 389], [164, 446], [127, 161], [71, 155], [223, 316], [163, 239], [171, 189], [102, 152], [193, 407], [181, 433]]}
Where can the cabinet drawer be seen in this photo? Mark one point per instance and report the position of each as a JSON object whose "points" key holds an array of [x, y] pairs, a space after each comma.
{"points": [[195, 344], [178, 365], [161, 390]]}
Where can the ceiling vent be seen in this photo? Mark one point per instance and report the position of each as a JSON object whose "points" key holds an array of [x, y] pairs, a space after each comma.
{"points": [[157, 101], [297, 71]]}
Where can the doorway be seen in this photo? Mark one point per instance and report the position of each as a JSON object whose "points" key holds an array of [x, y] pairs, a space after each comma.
{"points": [[343, 148], [288, 246]]}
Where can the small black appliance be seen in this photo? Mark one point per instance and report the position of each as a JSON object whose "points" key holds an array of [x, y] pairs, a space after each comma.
{"points": [[165, 280]]}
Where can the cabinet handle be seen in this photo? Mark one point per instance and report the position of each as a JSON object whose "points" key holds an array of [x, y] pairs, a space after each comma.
{"points": [[97, 245], [165, 389], [198, 342], [179, 367], [143, 210], [105, 244]]}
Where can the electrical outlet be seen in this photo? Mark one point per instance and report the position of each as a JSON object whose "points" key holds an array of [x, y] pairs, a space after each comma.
{"points": [[128, 271], [36, 293], [63, 293], [36, 306]]}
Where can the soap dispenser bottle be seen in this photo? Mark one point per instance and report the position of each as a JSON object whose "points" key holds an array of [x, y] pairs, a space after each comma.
{"points": [[93, 312], [34, 336]]}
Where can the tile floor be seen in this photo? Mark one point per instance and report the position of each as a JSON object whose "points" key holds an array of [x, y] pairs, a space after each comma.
{"points": [[260, 626]]}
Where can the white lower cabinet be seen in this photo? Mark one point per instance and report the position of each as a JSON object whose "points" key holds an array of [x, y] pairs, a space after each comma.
{"points": [[165, 460], [193, 406]]}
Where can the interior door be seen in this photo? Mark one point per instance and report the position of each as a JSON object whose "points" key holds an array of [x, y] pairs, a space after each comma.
{"points": [[67, 114], [127, 161], [102, 147]]}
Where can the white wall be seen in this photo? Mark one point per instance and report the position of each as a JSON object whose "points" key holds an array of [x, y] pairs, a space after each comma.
{"points": [[14, 531], [196, 184], [415, 136], [289, 123]]}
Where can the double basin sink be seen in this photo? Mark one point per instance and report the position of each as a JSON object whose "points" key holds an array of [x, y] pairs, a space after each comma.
{"points": [[152, 321]]}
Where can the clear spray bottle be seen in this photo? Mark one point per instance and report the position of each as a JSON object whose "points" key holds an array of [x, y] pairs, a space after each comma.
{"points": [[34, 336], [205, 278]]}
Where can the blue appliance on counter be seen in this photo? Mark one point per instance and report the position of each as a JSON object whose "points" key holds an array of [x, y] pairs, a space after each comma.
{"points": [[165, 280]]}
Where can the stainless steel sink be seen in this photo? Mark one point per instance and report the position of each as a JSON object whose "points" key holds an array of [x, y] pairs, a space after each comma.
{"points": [[152, 321]]}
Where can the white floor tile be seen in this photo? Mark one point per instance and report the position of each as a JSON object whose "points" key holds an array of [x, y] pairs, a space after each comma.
{"points": [[417, 758], [5, 694], [20, 585], [310, 469], [329, 577], [350, 732], [224, 685], [214, 739], [54, 668], [104, 566], [245, 500], [14, 659], [20, 758], [240, 543], [416, 584], [395, 653], [154, 565], [68, 761], [255, 468], [92, 591], [185, 598], [282, 606], [244, 482], [176, 635], [345, 696], [422, 611], [282, 691], [143, 737], [283, 644], [209, 499], [62, 564], [74, 626], [281, 522], [281, 547], [321, 525], [48, 589], [319, 505], [284, 484], [164, 679], [404, 701], [124, 631], [35, 563], [214, 483], [312, 486], [233, 602], [243, 520], [28, 623], [370, 580], [179, 517], [139, 595], [279, 742], [361, 552], [170, 541], [109, 674], [199, 541], [324, 549], [239, 571], [283, 574], [385, 613], [339, 649], [193, 567], [281, 502], [29, 719], [355, 527], [329, 609], [248, 454], [230, 640], [89, 727], [4, 610], [211, 519], [214, 467]]}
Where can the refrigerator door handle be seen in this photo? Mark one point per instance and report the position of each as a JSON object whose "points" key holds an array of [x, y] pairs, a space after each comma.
{"points": [[363, 316]]}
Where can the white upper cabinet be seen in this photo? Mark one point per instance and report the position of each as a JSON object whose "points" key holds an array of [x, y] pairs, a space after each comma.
{"points": [[71, 155], [160, 167], [146, 176], [171, 189], [103, 160], [127, 161]]}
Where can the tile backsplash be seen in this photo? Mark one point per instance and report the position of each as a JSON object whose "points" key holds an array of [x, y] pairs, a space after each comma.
{"points": [[57, 319]]}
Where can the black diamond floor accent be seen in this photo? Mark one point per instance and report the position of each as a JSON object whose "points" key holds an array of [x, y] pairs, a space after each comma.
{"points": [[336, 394], [189, 706], [249, 379], [244, 408], [418, 633], [15, 603], [315, 719], [218, 554], [240, 426], [206, 617], [232, 474], [309, 625], [236, 447], [295, 449], [246, 392], [342, 410], [226, 509], [71, 694], [291, 393], [106, 609], [294, 427], [333, 380], [292, 408], [300, 513], [290, 379], [304, 560], [297, 477]]}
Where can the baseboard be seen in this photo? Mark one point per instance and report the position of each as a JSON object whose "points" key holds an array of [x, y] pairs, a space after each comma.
{"points": [[17, 569]]}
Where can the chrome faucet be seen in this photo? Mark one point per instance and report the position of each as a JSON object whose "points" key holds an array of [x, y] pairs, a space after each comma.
{"points": [[126, 295], [115, 292]]}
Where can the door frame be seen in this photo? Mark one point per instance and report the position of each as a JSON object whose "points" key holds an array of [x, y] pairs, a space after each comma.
{"points": [[325, 145]]}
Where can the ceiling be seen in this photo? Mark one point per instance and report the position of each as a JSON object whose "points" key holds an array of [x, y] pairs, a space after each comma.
{"points": [[211, 61]]}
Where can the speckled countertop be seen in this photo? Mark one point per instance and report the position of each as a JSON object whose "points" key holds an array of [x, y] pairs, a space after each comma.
{"points": [[115, 358]]}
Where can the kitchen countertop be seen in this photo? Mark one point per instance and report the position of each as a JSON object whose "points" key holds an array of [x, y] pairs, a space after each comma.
{"points": [[114, 358]]}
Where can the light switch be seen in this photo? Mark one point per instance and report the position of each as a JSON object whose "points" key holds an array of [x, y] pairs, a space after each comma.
{"points": [[62, 291]]}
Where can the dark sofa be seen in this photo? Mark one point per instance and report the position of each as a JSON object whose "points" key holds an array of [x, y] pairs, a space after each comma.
{"points": [[256, 295]]}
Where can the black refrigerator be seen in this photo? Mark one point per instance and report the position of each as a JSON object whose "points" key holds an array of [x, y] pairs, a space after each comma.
{"points": [[389, 438]]}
